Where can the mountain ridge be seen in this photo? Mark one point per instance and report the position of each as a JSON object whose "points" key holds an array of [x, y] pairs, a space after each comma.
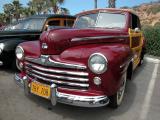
{"points": [[149, 13]]}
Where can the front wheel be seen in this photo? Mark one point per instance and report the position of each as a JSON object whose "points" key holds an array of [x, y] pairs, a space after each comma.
{"points": [[117, 98]]}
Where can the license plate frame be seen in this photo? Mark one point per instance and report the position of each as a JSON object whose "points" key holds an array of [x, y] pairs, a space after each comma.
{"points": [[40, 89]]}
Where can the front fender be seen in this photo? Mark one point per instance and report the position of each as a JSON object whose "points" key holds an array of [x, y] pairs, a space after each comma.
{"points": [[118, 56], [11, 44], [31, 49]]}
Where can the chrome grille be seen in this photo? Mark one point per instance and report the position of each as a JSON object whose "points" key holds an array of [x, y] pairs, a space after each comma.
{"points": [[68, 77]]}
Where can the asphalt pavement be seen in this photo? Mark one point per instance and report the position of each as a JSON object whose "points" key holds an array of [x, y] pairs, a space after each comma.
{"points": [[141, 101]]}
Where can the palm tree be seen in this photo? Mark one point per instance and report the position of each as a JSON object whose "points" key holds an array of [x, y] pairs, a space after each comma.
{"points": [[31, 8], [55, 4], [40, 7], [64, 11], [111, 3], [26, 12], [95, 4], [17, 9], [37, 6], [2, 18], [8, 10]]}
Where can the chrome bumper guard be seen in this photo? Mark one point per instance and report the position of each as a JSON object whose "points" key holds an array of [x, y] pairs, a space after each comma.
{"points": [[19, 81], [75, 100]]}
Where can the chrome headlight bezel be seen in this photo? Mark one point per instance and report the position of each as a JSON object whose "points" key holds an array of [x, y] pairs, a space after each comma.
{"points": [[1, 47], [19, 53], [103, 58]]}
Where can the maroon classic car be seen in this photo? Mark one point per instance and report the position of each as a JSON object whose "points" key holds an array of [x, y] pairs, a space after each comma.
{"points": [[87, 65]]}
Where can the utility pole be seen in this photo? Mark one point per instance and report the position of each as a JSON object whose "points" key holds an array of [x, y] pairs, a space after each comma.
{"points": [[95, 4]]}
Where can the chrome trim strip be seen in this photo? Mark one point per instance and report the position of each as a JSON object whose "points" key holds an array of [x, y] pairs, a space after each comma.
{"points": [[66, 65], [60, 82], [52, 63], [59, 77], [73, 89], [19, 35], [97, 38], [127, 62], [122, 65], [56, 71]]}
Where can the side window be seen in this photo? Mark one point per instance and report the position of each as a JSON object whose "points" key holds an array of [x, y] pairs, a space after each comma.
{"points": [[54, 23], [68, 23], [135, 22]]}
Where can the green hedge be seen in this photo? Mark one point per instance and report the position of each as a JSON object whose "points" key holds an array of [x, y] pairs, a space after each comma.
{"points": [[152, 36]]}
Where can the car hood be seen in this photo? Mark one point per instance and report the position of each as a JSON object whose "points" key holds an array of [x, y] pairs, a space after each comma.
{"points": [[58, 40]]}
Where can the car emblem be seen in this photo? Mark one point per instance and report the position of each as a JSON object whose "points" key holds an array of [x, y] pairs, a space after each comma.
{"points": [[44, 59], [44, 46]]}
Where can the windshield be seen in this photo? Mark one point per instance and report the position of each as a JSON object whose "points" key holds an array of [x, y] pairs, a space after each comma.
{"points": [[102, 20], [27, 24]]}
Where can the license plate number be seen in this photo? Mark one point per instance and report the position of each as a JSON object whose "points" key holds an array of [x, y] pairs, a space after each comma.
{"points": [[40, 89]]}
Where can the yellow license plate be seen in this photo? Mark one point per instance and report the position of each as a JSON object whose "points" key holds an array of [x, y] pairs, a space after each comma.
{"points": [[40, 89]]}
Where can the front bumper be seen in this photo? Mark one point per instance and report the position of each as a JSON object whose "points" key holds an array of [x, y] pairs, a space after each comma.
{"points": [[71, 99]]}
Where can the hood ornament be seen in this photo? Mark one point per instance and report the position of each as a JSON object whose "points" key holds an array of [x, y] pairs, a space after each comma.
{"points": [[44, 46]]}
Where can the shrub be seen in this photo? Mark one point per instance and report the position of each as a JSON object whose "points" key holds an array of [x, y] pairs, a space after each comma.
{"points": [[157, 24], [152, 36]]}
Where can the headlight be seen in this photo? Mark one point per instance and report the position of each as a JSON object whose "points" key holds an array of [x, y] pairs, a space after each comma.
{"points": [[1, 47], [19, 53], [97, 63]]}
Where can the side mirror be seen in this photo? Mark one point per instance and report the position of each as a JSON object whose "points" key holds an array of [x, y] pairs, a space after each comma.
{"points": [[137, 30]]}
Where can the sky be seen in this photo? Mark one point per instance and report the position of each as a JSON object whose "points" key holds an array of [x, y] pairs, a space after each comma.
{"points": [[76, 6]]}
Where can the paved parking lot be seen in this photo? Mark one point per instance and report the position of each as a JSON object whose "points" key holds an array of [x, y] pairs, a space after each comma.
{"points": [[141, 102]]}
